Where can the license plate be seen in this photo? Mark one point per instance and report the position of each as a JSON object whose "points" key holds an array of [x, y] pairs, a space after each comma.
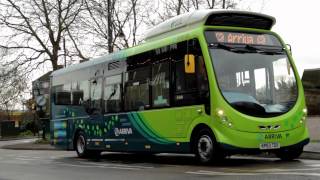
{"points": [[272, 145]]}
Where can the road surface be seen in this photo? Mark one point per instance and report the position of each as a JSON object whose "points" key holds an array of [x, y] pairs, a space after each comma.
{"points": [[53, 165]]}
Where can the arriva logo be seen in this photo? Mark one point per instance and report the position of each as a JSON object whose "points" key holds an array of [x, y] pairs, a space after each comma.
{"points": [[272, 136], [122, 131]]}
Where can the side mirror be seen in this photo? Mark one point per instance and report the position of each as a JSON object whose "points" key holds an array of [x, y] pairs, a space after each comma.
{"points": [[189, 64], [289, 47]]}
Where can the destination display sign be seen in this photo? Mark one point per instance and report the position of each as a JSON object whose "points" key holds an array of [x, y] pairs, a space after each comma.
{"points": [[241, 38]]}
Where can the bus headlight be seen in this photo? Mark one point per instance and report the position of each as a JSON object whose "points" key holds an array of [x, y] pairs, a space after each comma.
{"points": [[304, 116], [305, 111], [223, 118]]}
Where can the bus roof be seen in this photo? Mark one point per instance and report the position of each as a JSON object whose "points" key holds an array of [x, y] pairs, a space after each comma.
{"points": [[182, 23], [224, 17]]}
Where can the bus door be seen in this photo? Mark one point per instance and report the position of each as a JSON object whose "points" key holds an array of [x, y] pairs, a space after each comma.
{"points": [[177, 103], [95, 128]]}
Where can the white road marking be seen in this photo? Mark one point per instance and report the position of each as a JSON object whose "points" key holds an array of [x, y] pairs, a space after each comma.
{"points": [[105, 167], [116, 165], [215, 173], [285, 170], [314, 165], [23, 156], [14, 162], [25, 159]]}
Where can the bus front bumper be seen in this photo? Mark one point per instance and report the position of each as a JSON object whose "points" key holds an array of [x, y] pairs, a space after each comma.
{"points": [[238, 142]]}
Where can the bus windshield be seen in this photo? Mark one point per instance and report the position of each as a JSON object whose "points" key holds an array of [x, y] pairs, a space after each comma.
{"points": [[253, 73]]}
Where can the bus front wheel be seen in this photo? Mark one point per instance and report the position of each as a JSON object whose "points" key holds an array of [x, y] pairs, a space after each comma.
{"points": [[205, 147]]}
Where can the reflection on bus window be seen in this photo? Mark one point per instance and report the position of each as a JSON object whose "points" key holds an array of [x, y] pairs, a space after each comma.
{"points": [[95, 89], [62, 94], [137, 89], [112, 94], [160, 84]]}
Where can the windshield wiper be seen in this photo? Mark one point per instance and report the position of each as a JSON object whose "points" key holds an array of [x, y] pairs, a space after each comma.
{"points": [[221, 46], [248, 49], [230, 48], [267, 51]]}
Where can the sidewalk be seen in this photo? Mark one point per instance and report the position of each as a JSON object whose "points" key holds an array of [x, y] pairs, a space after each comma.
{"points": [[312, 147]]}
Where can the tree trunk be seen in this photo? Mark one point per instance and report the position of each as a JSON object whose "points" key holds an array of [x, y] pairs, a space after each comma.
{"points": [[110, 38]]}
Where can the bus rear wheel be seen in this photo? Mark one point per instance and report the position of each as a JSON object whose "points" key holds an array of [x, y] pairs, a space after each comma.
{"points": [[289, 153], [205, 147], [81, 147]]}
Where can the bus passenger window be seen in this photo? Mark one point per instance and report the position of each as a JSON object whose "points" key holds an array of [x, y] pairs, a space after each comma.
{"points": [[160, 84], [112, 94], [137, 89], [76, 94], [202, 78], [96, 87], [184, 82], [62, 94], [80, 94]]}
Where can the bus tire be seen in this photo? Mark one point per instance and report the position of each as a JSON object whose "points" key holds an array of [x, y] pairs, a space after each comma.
{"points": [[81, 147], [205, 147], [289, 154]]}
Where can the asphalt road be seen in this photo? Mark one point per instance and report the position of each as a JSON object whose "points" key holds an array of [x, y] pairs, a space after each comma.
{"points": [[47, 165]]}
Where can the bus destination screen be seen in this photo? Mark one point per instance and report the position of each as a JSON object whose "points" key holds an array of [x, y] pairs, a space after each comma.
{"points": [[242, 38]]}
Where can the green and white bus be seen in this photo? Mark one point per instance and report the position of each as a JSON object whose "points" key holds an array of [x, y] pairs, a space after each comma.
{"points": [[211, 82]]}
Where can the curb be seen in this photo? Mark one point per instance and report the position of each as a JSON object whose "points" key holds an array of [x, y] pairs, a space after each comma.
{"points": [[310, 155], [30, 146], [17, 138]]}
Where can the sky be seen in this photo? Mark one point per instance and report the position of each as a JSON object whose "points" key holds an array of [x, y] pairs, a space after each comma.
{"points": [[298, 23]]}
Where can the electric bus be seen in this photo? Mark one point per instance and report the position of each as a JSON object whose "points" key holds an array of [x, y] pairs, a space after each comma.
{"points": [[211, 82]]}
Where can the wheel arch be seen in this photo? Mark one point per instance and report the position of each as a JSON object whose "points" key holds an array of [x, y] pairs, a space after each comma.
{"points": [[196, 129]]}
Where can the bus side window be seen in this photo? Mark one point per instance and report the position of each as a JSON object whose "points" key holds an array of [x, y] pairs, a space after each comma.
{"points": [[160, 84], [62, 94], [137, 89], [112, 100], [95, 95], [185, 86], [203, 84], [76, 94], [82, 95], [190, 88]]}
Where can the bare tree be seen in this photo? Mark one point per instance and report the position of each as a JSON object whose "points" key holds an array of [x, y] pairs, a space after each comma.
{"points": [[114, 24], [35, 30], [166, 9], [12, 85]]}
